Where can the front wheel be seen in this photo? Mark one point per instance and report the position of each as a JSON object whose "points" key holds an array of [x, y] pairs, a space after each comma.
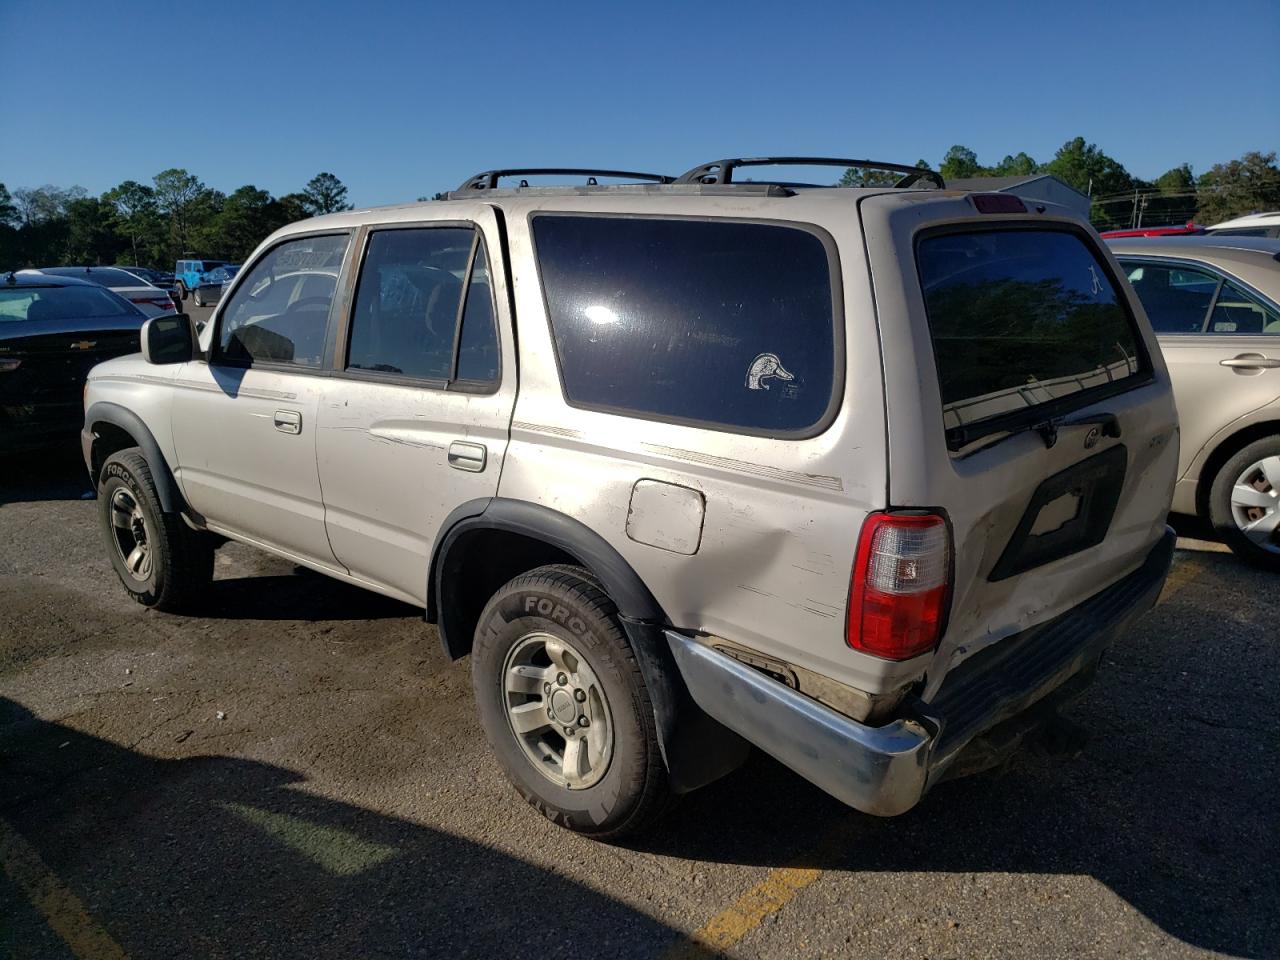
{"points": [[564, 705], [1244, 503], [161, 561]]}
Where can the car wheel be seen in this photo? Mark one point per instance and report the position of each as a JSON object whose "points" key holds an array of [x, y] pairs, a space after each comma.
{"points": [[198, 298], [182, 291], [161, 561], [564, 705], [1244, 503]]}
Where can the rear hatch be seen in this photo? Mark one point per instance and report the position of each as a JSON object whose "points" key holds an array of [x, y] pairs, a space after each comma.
{"points": [[1027, 403]]}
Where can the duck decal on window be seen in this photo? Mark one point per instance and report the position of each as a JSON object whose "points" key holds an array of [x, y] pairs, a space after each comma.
{"points": [[767, 366]]}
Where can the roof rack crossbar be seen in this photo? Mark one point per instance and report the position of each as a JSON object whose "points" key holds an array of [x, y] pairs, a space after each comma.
{"points": [[721, 171], [489, 179]]}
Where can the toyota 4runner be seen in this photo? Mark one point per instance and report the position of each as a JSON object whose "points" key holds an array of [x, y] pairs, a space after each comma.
{"points": [[860, 476]]}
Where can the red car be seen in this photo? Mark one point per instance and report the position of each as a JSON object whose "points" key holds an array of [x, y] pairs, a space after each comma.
{"points": [[1153, 232]]}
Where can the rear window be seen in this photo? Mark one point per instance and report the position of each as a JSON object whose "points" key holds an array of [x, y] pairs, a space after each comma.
{"points": [[60, 303], [105, 276], [704, 322], [1020, 319]]}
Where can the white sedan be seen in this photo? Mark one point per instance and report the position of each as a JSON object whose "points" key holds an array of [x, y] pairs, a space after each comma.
{"points": [[150, 299]]}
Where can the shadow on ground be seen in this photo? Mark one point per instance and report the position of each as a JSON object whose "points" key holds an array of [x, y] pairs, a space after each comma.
{"points": [[216, 857]]}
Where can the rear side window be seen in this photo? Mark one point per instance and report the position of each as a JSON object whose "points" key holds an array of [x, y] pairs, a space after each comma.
{"points": [[1020, 319], [718, 322], [1238, 313], [1176, 298]]}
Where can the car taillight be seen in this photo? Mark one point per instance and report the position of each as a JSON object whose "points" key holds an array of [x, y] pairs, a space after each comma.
{"points": [[997, 203], [901, 585], [9, 364]]}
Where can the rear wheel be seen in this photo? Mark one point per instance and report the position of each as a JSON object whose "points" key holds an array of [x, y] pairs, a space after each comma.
{"points": [[199, 298], [182, 290], [1244, 503], [161, 561], [564, 705]]}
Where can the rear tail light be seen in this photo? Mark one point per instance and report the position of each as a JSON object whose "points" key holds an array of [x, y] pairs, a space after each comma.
{"points": [[998, 203], [901, 585], [9, 364]]}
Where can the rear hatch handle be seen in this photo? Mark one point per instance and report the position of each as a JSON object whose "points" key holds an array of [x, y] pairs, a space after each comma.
{"points": [[1108, 425]]}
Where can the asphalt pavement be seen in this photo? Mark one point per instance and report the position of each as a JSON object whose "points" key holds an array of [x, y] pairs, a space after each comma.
{"points": [[298, 772]]}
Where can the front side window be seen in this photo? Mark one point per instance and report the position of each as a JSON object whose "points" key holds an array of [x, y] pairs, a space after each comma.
{"points": [[699, 321], [1175, 297], [1020, 319], [1237, 312], [280, 312]]}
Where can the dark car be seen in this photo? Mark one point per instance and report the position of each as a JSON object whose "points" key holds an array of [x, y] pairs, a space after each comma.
{"points": [[52, 331]]}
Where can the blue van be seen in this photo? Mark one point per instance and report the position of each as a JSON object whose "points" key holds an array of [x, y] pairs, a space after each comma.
{"points": [[189, 274]]}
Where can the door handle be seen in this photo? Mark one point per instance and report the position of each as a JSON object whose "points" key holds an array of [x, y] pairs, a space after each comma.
{"points": [[288, 421], [470, 457], [1251, 361]]}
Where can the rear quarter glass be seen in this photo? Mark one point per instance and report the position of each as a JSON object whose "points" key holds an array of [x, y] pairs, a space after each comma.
{"points": [[1023, 318], [726, 323]]}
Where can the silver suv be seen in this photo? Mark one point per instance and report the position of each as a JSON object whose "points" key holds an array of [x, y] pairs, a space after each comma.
{"points": [[860, 476]]}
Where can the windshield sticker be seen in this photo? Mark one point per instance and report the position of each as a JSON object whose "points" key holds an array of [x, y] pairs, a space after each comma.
{"points": [[1097, 282], [767, 366]]}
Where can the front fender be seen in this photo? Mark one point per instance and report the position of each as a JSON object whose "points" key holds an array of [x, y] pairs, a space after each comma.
{"points": [[104, 411]]}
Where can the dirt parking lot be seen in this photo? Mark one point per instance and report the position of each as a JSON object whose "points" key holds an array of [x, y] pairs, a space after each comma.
{"points": [[298, 772]]}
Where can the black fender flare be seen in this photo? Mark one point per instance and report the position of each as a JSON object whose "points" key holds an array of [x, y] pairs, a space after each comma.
{"points": [[171, 499], [696, 748]]}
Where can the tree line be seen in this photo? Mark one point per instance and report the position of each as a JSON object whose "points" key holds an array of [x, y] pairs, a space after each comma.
{"points": [[1119, 199], [176, 214], [150, 224]]}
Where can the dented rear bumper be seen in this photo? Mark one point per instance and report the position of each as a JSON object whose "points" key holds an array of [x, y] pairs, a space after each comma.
{"points": [[886, 769]]}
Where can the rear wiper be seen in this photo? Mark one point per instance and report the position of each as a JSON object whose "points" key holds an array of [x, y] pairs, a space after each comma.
{"points": [[960, 437]]}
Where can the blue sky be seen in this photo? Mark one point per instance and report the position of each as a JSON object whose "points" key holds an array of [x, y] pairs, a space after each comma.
{"points": [[401, 100]]}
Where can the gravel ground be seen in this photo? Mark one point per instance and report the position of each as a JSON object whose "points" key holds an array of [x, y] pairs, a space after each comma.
{"points": [[299, 773]]}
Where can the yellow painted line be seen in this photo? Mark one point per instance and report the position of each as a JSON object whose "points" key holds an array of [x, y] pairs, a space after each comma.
{"points": [[745, 914], [1183, 574], [61, 909]]}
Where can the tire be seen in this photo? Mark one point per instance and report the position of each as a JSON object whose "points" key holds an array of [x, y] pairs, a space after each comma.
{"points": [[175, 564], [198, 299], [182, 290], [621, 782], [1246, 492]]}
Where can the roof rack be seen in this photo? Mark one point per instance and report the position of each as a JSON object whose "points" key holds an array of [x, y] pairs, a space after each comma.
{"points": [[721, 171], [489, 179]]}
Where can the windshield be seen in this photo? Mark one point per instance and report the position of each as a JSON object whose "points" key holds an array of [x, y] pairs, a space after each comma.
{"points": [[59, 303]]}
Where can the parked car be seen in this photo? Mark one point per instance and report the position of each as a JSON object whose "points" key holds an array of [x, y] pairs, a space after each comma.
{"points": [[864, 512], [151, 300], [191, 273], [52, 331], [1253, 225], [158, 278], [1214, 302], [209, 292], [1188, 229]]}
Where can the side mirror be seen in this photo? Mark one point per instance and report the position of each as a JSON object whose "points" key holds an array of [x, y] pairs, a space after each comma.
{"points": [[168, 339]]}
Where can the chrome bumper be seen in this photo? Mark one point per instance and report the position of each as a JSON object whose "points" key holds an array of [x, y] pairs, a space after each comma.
{"points": [[885, 770]]}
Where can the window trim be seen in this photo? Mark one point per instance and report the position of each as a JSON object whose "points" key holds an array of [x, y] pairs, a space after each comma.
{"points": [[959, 438], [835, 277], [1223, 278], [215, 357], [451, 385]]}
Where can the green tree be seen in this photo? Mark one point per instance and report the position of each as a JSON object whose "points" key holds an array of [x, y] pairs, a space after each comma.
{"points": [[176, 193], [91, 235], [45, 204], [1232, 189], [325, 193], [1088, 169], [247, 216], [293, 207], [958, 163], [136, 215], [8, 212], [1015, 165]]}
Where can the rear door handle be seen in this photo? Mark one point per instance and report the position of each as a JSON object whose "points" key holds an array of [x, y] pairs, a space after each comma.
{"points": [[288, 421], [1251, 361], [470, 457]]}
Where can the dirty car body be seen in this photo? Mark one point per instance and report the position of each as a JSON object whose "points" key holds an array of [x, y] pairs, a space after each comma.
{"points": [[841, 512]]}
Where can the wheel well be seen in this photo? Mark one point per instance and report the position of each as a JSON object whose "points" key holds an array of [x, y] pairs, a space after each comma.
{"points": [[475, 567], [1224, 452], [107, 439]]}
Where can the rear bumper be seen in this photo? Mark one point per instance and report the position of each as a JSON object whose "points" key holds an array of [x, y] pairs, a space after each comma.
{"points": [[885, 770]]}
